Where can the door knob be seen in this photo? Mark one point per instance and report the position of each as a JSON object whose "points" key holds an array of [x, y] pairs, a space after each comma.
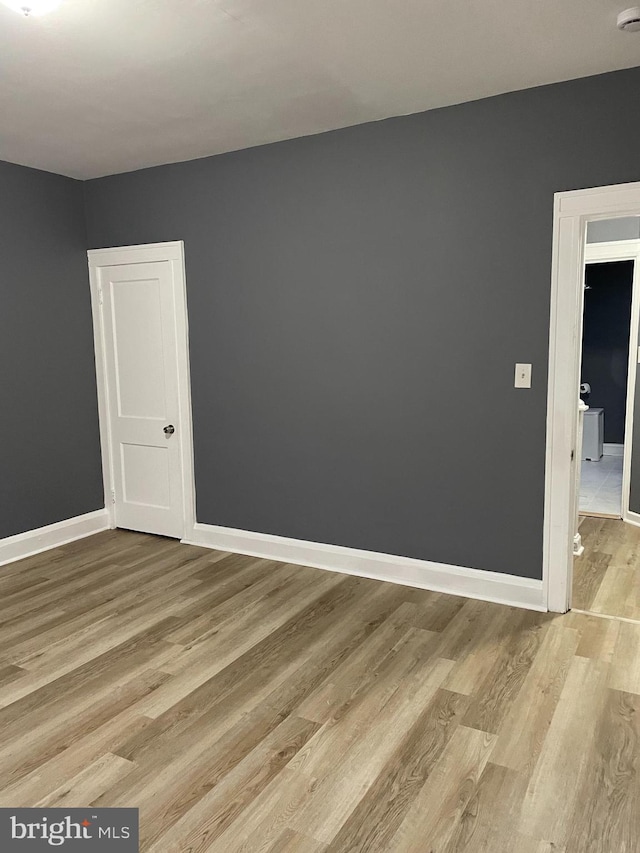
{"points": [[169, 430]]}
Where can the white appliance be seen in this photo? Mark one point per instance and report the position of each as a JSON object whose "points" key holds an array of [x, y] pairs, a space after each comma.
{"points": [[593, 435]]}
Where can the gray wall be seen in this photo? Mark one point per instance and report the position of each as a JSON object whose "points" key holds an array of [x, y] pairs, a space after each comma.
{"points": [[357, 301], [624, 228], [49, 453]]}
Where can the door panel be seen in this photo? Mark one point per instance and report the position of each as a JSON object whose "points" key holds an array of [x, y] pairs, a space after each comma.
{"points": [[146, 475], [137, 337], [141, 365]]}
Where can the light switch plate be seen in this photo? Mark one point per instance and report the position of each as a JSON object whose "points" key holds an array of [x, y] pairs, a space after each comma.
{"points": [[523, 376]]}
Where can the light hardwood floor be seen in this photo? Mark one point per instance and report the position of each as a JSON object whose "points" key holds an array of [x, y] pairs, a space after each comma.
{"points": [[606, 578], [248, 705]]}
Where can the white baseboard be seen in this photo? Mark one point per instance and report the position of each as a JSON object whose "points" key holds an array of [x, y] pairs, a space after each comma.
{"points": [[632, 518], [52, 536], [439, 577], [613, 449]]}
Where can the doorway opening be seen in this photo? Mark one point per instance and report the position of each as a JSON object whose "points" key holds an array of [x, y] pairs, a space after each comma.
{"points": [[608, 366], [577, 212]]}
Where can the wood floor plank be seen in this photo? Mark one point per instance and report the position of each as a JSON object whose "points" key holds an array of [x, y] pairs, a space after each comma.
{"points": [[86, 786], [264, 823], [354, 721], [522, 733], [252, 617], [589, 572], [350, 766], [76, 654], [280, 678], [218, 807], [437, 810], [501, 684], [47, 774], [248, 705], [598, 637], [24, 749], [566, 758], [625, 661], [437, 610], [296, 842], [614, 591], [10, 673], [356, 674], [487, 821], [465, 633], [472, 668], [606, 577], [623, 541], [200, 690], [381, 810], [607, 814], [296, 797], [46, 639], [607, 536]]}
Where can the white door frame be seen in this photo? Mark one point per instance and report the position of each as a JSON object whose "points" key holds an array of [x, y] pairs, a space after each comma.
{"points": [[604, 253], [572, 211], [173, 252]]}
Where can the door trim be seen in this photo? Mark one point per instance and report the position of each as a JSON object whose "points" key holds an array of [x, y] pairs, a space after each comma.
{"points": [[572, 211], [173, 252]]}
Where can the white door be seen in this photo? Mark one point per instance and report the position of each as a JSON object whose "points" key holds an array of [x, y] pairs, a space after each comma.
{"points": [[139, 293]]}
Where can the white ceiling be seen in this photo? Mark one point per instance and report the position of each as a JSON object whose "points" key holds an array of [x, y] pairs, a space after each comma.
{"points": [[104, 86]]}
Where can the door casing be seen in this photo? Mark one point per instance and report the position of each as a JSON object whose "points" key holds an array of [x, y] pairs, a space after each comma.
{"points": [[572, 211], [173, 253]]}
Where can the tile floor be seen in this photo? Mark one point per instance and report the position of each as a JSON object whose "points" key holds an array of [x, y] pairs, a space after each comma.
{"points": [[601, 486]]}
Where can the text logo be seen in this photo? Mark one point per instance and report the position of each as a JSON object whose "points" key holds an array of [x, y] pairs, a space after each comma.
{"points": [[73, 830]]}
